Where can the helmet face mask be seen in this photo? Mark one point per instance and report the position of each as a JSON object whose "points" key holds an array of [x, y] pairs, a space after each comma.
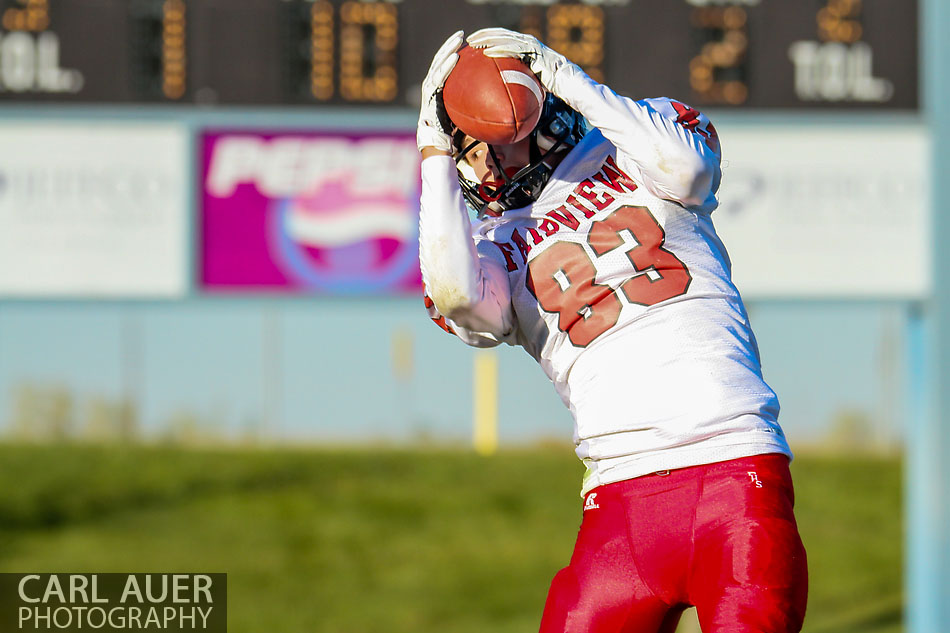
{"points": [[559, 128]]}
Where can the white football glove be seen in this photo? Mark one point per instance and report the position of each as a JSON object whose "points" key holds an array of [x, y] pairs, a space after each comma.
{"points": [[430, 132], [546, 63]]}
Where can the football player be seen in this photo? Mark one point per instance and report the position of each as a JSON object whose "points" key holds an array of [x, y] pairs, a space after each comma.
{"points": [[595, 251]]}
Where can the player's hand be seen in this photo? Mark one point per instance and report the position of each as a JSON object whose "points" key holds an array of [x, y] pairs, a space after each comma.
{"points": [[431, 132], [543, 61]]}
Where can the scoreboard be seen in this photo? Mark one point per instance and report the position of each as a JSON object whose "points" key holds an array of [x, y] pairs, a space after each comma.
{"points": [[767, 54]]}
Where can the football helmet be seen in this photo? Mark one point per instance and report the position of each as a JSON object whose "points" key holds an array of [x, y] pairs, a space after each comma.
{"points": [[559, 128]]}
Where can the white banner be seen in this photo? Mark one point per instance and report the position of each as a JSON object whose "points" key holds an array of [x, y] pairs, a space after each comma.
{"points": [[89, 209], [826, 212]]}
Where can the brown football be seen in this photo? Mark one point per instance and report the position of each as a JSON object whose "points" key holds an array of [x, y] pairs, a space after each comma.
{"points": [[495, 100]]}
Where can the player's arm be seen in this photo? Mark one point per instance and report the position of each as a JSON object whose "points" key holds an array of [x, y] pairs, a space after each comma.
{"points": [[671, 147], [470, 291], [675, 158]]}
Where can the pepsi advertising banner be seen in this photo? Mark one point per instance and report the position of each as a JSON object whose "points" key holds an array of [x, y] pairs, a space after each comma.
{"points": [[309, 213]]}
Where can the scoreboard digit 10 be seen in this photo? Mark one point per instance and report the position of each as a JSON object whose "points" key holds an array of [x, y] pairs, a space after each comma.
{"points": [[812, 54]]}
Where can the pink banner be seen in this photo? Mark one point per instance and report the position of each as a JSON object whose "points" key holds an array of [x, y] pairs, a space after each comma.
{"points": [[306, 212]]}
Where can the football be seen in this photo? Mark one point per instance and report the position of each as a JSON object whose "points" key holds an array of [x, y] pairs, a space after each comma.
{"points": [[495, 100]]}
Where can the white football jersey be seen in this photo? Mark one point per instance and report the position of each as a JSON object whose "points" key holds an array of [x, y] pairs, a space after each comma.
{"points": [[615, 281]]}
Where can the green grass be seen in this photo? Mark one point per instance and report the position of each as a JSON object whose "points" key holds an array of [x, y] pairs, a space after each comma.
{"points": [[850, 516], [394, 541]]}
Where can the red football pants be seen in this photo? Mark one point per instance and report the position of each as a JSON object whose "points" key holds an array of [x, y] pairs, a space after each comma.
{"points": [[720, 537]]}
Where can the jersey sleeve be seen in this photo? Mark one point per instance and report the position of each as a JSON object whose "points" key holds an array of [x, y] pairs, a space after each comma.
{"points": [[467, 290], [469, 337], [672, 149]]}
